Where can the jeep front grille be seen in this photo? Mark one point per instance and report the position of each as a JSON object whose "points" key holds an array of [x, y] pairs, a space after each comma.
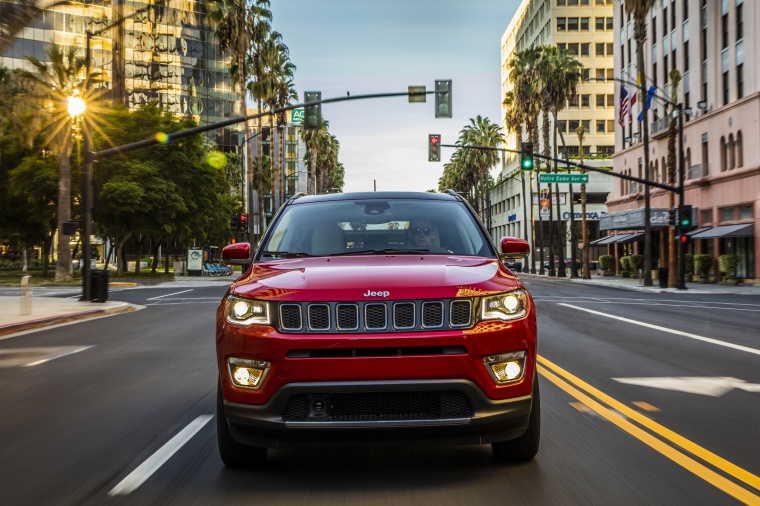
{"points": [[375, 317]]}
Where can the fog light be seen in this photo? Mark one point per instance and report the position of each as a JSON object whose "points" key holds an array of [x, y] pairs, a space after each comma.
{"points": [[506, 367], [248, 373]]}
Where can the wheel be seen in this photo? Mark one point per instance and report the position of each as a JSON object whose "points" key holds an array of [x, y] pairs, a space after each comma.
{"points": [[232, 453], [524, 447]]}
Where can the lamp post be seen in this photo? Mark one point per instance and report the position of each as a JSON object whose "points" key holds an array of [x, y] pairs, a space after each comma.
{"points": [[680, 188], [86, 211]]}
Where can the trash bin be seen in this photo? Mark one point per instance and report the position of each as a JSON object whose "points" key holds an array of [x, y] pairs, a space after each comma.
{"points": [[662, 273], [99, 285]]}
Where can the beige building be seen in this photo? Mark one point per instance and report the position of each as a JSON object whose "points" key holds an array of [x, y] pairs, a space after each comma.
{"points": [[586, 28], [710, 42]]}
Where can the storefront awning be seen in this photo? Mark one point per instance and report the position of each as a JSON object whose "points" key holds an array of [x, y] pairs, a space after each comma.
{"points": [[745, 230], [632, 237], [609, 239]]}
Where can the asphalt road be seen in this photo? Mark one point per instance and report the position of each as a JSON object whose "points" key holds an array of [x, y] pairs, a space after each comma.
{"points": [[121, 410]]}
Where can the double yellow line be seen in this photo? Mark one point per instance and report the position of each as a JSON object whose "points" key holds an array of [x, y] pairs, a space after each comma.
{"points": [[622, 416]]}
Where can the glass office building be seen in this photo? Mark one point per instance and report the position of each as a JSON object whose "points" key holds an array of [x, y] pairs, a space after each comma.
{"points": [[164, 51]]}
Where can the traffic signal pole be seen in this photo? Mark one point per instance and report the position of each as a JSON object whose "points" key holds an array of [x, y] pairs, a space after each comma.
{"points": [[681, 228]]}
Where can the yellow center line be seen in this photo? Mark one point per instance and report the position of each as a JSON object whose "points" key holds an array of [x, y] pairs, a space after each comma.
{"points": [[736, 491], [704, 454]]}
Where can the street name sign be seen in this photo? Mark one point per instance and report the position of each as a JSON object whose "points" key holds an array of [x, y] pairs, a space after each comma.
{"points": [[563, 178]]}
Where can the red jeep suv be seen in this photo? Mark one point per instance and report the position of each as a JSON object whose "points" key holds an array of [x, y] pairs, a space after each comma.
{"points": [[383, 318]]}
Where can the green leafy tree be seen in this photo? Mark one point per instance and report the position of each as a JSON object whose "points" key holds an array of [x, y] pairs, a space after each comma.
{"points": [[480, 132], [675, 80]]}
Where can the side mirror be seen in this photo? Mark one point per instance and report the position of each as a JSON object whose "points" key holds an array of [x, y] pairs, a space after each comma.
{"points": [[237, 254], [514, 247]]}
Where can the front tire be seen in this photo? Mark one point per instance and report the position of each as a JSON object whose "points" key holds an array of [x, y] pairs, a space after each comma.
{"points": [[524, 447], [232, 453]]}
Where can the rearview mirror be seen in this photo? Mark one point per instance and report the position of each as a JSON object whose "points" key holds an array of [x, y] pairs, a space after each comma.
{"points": [[237, 254], [514, 247]]}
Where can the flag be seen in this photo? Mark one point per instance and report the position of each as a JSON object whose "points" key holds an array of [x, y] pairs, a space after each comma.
{"points": [[650, 96], [623, 105], [633, 102]]}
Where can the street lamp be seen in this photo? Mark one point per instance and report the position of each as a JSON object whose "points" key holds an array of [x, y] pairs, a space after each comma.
{"points": [[86, 211], [679, 111]]}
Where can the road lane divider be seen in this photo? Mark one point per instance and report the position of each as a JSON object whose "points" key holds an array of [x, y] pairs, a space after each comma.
{"points": [[666, 329], [624, 416], [170, 294], [155, 461]]}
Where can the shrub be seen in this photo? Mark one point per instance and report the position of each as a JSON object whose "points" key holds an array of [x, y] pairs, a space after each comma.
{"points": [[727, 264], [607, 263], [625, 263], [688, 264], [703, 264], [637, 262]]}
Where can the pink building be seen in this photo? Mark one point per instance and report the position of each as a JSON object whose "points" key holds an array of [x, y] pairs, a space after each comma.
{"points": [[720, 92]]}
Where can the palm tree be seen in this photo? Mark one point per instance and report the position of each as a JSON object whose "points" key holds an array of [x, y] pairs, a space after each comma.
{"points": [[55, 84], [321, 156], [237, 24], [640, 9], [561, 74], [675, 80], [523, 75], [513, 122], [481, 132], [18, 15]]}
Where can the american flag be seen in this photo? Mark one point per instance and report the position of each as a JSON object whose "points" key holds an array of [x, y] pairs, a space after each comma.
{"points": [[623, 105]]}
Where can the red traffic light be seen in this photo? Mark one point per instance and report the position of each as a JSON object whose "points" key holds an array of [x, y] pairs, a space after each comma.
{"points": [[685, 239], [435, 140]]}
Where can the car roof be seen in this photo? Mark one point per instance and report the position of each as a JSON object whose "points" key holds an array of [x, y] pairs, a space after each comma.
{"points": [[385, 195]]}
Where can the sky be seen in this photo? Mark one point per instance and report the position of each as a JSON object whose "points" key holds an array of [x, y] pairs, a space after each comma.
{"points": [[361, 47]]}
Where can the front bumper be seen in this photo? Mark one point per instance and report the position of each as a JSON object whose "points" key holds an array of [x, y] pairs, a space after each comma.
{"points": [[491, 420]]}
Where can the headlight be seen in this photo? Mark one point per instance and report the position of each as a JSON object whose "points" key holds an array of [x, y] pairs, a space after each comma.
{"points": [[505, 306], [246, 311]]}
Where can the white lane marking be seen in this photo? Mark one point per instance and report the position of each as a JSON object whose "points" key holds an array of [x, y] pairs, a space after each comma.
{"points": [[712, 386], [665, 329], [54, 355], [188, 301], [170, 294], [155, 461]]}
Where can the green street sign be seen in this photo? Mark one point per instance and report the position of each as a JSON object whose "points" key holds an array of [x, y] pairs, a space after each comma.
{"points": [[563, 178], [296, 115]]}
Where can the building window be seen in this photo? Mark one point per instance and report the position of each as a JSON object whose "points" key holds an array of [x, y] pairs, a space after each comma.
{"points": [[723, 154], [611, 100], [585, 24], [600, 74], [610, 74], [573, 101], [600, 49], [745, 212], [609, 23], [562, 125], [610, 126], [586, 74], [724, 31], [600, 101], [586, 101], [740, 81], [561, 24], [725, 88], [586, 124], [600, 126], [730, 152], [727, 214], [705, 217], [599, 24], [586, 49], [605, 150], [573, 47], [573, 124], [740, 21], [572, 24], [738, 148], [609, 48], [560, 3], [686, 57]]}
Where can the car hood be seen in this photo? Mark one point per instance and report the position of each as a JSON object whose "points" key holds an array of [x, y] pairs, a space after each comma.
{"points": [[376, 277]]}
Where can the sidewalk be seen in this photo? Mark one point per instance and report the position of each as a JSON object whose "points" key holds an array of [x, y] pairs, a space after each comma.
{"points": [[633, 284], [18, 313], [47, 310]]}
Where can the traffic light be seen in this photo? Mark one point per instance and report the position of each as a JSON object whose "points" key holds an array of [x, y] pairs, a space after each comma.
{"points": [[672, 217], [235, 222], [312, 113], [443, 98], [526, 158], [684, 217], [685, 239], [434, 148], [243, 223]]}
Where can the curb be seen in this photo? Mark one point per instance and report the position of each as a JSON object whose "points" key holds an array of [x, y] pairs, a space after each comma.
{"points": [[12, 328]]}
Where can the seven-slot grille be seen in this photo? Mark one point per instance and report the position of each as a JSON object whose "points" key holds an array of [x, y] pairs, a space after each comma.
{"points": [[375, 316]]}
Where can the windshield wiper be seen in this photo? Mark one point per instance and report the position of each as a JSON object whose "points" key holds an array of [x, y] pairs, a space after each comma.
{"points": [[285, 254], [384, 251]]}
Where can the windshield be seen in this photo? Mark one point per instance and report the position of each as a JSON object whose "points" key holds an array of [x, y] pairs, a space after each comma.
{"points": [[375, 226]]}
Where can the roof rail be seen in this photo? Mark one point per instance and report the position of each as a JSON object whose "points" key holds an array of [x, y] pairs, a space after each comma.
{"points": [[452, 193]]}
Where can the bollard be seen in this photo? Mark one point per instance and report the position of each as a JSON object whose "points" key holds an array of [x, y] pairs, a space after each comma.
{"points": [[26, 296], [641, 277]]}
